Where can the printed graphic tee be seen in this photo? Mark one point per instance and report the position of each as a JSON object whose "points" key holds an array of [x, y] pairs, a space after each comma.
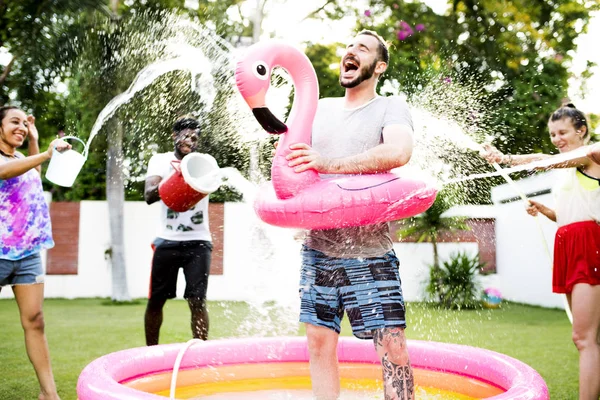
{"points": [[179, 226]]}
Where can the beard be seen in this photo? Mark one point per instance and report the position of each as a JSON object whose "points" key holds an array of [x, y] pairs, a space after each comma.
{"points": [[364, 75], [182, 150], [185, 144]]}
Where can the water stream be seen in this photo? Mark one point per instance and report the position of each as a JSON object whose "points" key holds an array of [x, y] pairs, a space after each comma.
{"points": [[191, 59], [539, 164]]}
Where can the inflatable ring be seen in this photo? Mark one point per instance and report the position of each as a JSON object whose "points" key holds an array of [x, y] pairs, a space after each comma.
{"points": [[132, 373], [304, 200]]}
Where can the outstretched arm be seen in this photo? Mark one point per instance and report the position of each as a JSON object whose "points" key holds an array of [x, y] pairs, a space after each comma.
{"points": [[395, 151], [493, 155], [17, 167]]}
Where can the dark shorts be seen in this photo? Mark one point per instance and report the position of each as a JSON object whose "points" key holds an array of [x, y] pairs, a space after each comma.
{"points": [[25, 271], [169, 255], [368, 289]]}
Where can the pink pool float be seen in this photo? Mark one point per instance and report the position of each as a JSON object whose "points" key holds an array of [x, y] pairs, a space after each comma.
{"points": [[236, 368], [305, 200]]}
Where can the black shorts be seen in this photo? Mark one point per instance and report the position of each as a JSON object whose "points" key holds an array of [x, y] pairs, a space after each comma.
{"points": [[169, 255]]}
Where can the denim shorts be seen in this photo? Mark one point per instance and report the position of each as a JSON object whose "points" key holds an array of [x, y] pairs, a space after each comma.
{"points": [[368, 289], [25, 271]]}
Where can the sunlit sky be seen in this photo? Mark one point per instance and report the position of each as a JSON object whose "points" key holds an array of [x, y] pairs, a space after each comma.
{"points": [[587, 50]]}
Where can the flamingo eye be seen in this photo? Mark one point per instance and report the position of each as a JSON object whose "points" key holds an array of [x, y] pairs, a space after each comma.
{"points": [[261, 71]]}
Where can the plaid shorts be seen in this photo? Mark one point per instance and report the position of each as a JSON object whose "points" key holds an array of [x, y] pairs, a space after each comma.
{"points": [[368, 289]]}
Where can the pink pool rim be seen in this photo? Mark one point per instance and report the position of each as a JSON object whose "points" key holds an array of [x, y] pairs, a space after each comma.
{"points": [[102, 378]]}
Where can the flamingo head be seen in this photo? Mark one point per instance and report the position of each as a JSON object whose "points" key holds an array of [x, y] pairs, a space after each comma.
{"points": [[253, 79]]}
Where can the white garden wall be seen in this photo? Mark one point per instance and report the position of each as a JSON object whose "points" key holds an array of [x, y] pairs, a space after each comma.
{"points": [[524, 243], [262, 262]]}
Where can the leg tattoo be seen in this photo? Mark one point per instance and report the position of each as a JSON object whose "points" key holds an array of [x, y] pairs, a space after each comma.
{"points": [[397, 374]]}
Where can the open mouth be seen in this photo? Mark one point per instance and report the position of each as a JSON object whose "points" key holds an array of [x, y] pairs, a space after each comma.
{"points": [[350, 66]]}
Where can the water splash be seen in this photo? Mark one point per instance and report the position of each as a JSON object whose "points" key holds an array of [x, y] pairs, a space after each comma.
{"points": [[273, 270], [183, 44], [191, 59], [437, 140], [210, 62], [450, 119]]}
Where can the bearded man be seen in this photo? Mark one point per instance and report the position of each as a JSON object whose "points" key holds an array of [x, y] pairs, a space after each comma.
{"points": [[355, 269]]}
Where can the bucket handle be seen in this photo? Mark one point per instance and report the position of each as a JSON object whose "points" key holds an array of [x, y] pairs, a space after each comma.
{"points": [[176, 164], [85, 149]]}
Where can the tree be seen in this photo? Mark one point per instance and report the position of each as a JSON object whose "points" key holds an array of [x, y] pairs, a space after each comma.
{"points": [[322, 56], [511, 57], [214, 15], [517, 50], [26, 29], [31, 32], [429, 225], [111, 59]]}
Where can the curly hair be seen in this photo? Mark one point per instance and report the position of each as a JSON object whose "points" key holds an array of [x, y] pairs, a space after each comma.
{"points": [[186, 122]]}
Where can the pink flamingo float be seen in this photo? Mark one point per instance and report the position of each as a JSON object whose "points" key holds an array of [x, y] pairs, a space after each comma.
{"points": [[305, 200]]}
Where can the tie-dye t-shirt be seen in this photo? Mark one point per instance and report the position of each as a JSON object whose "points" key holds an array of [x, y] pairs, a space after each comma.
{"points": [[25, 227]]}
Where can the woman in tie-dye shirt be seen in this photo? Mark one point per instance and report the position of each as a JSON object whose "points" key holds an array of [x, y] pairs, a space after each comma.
{"points": [[25, 231]]}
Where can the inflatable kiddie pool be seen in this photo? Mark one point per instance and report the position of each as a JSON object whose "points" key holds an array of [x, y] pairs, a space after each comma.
{"points": [[262, 368]]}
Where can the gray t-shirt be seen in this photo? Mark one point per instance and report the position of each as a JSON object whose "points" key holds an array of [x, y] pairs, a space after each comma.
{"points": [[339, 132]]}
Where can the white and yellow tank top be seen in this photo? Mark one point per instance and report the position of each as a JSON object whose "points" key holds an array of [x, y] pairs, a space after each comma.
{"points": [[577, 197]]}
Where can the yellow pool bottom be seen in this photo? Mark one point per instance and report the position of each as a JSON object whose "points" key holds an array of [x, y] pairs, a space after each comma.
{"points": [[369, 386], [295, 376]]}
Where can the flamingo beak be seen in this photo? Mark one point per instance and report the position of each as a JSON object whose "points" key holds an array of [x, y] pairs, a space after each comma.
{"points": [[268, 121]]}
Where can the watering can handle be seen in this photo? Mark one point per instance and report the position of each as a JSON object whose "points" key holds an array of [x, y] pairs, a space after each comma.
{"points": [[176, 164], [85, 149]]}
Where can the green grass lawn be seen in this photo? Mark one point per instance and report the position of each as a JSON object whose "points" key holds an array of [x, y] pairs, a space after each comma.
{"points": [[82, 330]]}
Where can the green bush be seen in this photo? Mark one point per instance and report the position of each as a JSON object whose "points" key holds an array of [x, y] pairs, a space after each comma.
{"points": [[454, 285], [224, 194]]}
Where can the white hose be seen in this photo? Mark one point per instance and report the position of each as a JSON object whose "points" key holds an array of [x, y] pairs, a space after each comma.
{"points": [[178, 359], [524, 198]]}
